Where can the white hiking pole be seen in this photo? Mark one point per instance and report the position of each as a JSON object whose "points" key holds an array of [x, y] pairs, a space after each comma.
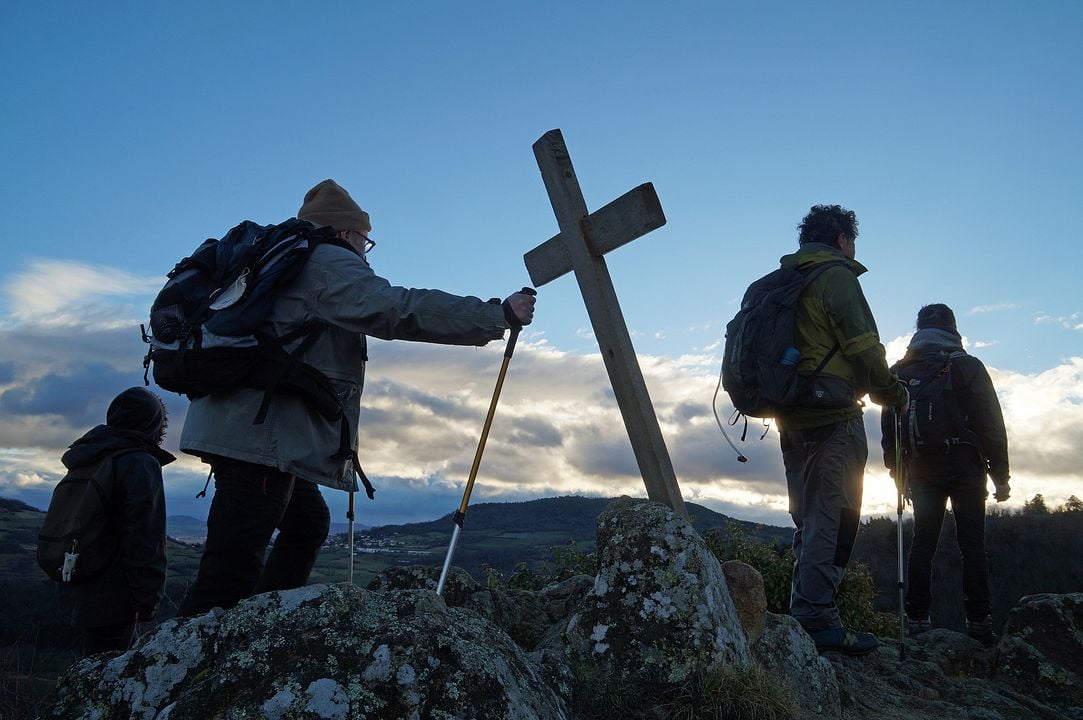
{"points": [[349, 535], [900, 485], [460, 515]]}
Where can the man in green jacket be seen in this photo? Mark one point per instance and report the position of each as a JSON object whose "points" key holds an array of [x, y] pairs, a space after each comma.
{"points": [[824, 448]]}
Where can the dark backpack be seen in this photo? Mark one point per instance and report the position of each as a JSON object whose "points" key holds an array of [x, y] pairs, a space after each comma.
{"points": [[759, 363], [80, 538], [935, 422], [205, 324]]}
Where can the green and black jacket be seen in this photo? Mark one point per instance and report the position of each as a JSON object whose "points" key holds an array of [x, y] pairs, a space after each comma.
{"points": [[833, 313]]}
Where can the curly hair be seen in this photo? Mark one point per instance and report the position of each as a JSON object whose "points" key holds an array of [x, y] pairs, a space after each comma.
{"points": [[824, 223]]}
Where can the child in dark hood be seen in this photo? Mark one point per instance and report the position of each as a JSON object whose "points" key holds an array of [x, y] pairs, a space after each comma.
{"points": [[128, 447]]}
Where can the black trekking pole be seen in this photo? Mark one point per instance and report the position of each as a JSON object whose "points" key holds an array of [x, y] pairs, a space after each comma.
{"points": [[349, 543], [460, 515], [900, 485]]}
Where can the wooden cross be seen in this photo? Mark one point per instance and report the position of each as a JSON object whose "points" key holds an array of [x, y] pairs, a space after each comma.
{"points": [[583, 240]]}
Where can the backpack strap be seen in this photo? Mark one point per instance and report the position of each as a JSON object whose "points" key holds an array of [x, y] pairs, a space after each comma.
{"points": [[807, 277]]}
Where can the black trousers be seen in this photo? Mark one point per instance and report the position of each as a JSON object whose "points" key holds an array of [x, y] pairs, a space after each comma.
{"points": [[109, 638], [250, 503], [968, 505]]}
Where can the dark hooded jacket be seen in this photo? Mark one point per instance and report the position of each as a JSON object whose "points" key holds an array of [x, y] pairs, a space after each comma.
{"points": [[987, 451], [133, 584]]}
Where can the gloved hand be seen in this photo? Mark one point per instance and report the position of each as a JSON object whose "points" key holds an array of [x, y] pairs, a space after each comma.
{"points": [[901, 409], [519, 308], [1003, 491]]}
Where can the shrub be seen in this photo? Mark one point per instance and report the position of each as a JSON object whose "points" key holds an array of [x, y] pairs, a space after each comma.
{"points": [[857, 593], [730, 693]]}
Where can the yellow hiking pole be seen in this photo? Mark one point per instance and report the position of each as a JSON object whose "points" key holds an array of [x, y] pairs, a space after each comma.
{"points": [[460, 515]]}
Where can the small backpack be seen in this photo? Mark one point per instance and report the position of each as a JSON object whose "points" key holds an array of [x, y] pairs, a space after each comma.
{"points": [[205, 323], [935, 422], [759, 362], [79, 537]]}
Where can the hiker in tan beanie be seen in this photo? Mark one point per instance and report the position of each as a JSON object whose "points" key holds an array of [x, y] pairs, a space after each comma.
{"points": [[267, 475]]}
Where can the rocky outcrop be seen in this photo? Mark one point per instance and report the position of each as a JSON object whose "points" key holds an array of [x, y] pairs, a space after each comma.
{"points": [[660, 610], [525, 616], [323, 651], [1041, 649], [659, 618], [788, 653]]}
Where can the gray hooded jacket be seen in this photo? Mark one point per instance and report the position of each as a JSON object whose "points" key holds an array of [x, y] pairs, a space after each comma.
{"points": [[338, 288]]}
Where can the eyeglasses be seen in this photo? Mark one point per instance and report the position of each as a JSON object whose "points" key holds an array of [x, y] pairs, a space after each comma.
{"points": [[369, 244]]}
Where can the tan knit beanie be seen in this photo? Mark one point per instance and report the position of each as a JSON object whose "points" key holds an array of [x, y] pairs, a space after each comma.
{"points": [[329, 204]]}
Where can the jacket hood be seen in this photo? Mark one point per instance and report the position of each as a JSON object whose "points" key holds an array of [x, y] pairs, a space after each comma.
{"points": [[135, 420], [932, 341], [811, 254]]}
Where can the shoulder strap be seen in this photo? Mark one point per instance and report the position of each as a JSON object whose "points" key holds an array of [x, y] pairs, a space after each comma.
{"points": [[808, 276]]}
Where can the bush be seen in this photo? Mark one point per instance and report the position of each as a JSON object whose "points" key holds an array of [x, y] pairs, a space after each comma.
{"points": [[730, 693], [857, 593]]}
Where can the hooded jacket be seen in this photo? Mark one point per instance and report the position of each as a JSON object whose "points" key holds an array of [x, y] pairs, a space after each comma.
{"points": [[833, 313], [338, 289], [133, 585], [964, 464]]}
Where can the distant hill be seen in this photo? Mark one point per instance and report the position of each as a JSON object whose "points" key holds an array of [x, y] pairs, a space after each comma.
{"points": [[1027, 554], [573, 515]]}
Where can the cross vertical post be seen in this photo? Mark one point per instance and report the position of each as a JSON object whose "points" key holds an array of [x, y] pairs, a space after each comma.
{"points": [[583, 240]]}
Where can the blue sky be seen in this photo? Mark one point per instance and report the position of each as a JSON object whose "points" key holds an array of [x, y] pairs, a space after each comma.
{"points": [[132, 131]]}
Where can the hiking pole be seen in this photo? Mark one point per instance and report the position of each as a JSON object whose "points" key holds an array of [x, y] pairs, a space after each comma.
{"points": [[349, 535], [460, 515], [900, 483]]}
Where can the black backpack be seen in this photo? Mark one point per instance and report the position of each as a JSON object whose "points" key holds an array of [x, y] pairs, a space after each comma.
{"points": [[935, 422], [205, 323], [79, 537], [759, 363]]}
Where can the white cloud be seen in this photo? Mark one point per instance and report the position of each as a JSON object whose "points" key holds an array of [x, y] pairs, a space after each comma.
{"points": [[998, 307], [1069, 322], [557, 428], [55, 293]]}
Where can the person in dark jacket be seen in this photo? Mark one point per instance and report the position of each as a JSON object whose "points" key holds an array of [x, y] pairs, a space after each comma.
{"points": [[957, 472], [822, 437], [267, 476], [110, 606]]}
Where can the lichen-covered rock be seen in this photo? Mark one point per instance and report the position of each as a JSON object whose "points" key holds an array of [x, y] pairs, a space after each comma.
{"points": [[323, 651], [522, 614], [458, 587], [749, 598], [957, 654], [563, 598], [659, 610], [787, 652], [1041, 649]]}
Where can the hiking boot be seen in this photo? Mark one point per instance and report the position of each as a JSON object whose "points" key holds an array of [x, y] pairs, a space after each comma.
{"points": [[917, 627], [844, 641], [981, 630]]}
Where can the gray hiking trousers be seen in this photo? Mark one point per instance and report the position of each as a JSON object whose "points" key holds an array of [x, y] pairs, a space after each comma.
{"points": [[825, 469]]}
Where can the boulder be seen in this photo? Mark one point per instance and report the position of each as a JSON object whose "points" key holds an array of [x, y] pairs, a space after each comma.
{"points": [[659, 611], [787, 652], [746, 588], [525, 616], [1040, 651], [322, 651]]}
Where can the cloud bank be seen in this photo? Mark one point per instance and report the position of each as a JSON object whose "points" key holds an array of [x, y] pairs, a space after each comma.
{"points": [[557, 428]]}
